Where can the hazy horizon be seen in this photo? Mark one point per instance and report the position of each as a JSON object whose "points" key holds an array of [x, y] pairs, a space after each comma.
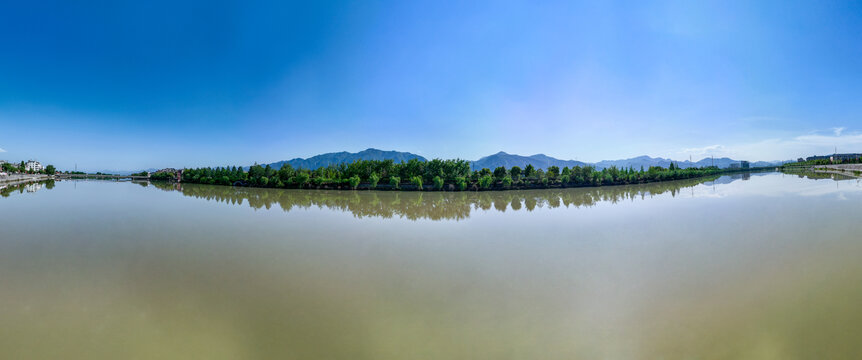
{"points": [[130, 86]]}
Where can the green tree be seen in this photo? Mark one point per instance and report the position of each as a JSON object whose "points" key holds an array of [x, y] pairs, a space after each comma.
{"points": [[284, 174], [162, 176], [461, 182], [438, 183], [553, 172], [435, 168], [529, 170], [411, 168], [301, 179], [486, 181], [268, 171], [417, 181], [507, 181], [395, 182], [374, 178], [256, 171], [499, 172], [515, 172], [50, 170], [353, 181]]}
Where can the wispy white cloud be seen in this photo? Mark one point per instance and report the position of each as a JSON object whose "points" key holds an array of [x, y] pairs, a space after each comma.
{"points": [[818, 143], [2, 150], [704, 151], [849, 141]]}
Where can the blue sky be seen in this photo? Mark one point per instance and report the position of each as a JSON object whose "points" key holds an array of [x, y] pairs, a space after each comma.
{"points": [[132, 85]]}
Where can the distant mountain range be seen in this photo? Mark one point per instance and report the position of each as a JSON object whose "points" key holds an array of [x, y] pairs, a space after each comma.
{"points": [[336, 158], [543, 161], [120, 172], [647, 161], [539, 161]]}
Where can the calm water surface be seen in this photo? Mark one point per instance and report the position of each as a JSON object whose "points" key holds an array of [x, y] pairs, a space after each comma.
{"points": [[762, 266]]}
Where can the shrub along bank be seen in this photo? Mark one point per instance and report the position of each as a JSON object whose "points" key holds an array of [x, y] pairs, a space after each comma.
{"points": [[437, 174]]}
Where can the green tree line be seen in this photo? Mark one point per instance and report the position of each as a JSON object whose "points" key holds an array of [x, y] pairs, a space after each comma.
{"points": [[11, 168], [822, 162], [163, 176], [435, 174]]}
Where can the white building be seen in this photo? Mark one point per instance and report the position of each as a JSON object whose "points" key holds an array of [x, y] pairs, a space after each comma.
{"points": [[32, 165]]}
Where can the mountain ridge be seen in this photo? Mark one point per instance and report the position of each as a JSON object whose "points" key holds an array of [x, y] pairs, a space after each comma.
{"points": [[502, 158], [335, 158], [539, 161]]}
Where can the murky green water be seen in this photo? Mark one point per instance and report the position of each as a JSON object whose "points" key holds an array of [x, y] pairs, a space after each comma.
{"points": [[765, 266]]}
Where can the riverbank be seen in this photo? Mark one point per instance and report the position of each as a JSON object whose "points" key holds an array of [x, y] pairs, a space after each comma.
{"points": [[15, 179], [850, 170], [488, 183]]}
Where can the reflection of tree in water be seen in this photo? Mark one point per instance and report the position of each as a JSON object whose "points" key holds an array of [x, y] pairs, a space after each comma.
{"points": [[426, 205], [807, 174], [33, 186]]}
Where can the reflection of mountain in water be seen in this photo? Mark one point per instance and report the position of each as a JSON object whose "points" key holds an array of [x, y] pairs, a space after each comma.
{"points": [[727, 179], [426, 205]]}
